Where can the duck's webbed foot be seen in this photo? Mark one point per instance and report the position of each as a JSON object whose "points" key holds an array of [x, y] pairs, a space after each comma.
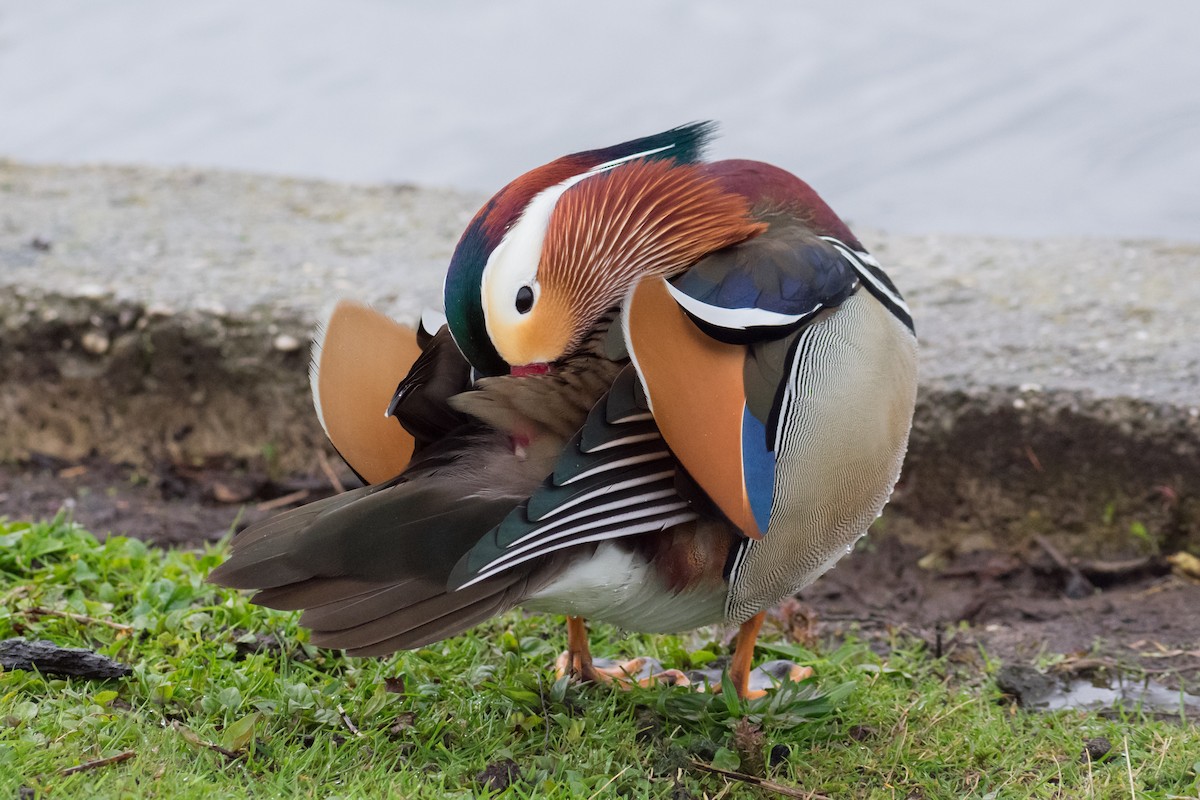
{"points": [[577, 661], [645, 671]]}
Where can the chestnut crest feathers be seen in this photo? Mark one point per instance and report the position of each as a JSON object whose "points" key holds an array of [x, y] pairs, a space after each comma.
{"points": [[553, 250]]}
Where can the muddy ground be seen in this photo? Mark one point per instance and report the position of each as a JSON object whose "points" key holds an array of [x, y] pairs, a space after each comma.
{"points": [[1020, 598]]}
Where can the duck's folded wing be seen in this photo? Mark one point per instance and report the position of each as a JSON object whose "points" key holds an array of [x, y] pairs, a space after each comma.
{"points": [[712, 351], [615, 478]]}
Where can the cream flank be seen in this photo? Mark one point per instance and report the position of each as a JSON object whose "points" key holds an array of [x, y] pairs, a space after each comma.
{"points": [[618, 586]]}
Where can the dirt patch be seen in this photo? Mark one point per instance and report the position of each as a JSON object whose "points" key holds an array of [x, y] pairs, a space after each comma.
{"points": [[1103, 476], [80, 376], [1020, 598], [166, 503], [1018, 604]]}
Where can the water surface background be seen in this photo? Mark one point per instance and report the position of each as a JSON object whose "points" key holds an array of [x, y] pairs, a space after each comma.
{"points": [[1025, 118]]}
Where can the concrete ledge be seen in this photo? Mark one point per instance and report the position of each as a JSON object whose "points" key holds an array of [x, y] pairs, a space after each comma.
{"points": [[150, 314]]}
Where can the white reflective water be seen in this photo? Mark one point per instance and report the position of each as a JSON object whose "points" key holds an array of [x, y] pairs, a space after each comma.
{"points": [[1021, 118]]}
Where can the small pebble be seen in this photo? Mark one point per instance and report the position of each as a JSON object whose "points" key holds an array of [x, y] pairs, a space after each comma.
{"points": [[1095, 750], [92, 291], [286, 343], [95, 342]]}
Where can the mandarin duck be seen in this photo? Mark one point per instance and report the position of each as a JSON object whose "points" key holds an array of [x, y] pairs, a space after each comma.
{"points": [[667, 393]]}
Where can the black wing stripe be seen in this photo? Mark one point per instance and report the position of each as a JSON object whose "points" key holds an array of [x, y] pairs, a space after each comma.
{"points": [[649, 526], [654, 506], [876, 281], [614, 479]]}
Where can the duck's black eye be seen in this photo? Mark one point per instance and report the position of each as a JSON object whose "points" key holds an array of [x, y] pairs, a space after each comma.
{"points": [[524, 300]]}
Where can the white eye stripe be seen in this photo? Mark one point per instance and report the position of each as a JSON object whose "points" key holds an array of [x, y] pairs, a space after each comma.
{"points": [[514, 261]]}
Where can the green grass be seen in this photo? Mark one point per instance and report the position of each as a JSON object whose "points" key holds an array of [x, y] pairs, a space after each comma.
{"points": [[905, 726]]}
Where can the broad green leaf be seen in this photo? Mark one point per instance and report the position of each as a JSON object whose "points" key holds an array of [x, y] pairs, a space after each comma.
{"points": [[726, 759], [239, 734], [729, 694]]}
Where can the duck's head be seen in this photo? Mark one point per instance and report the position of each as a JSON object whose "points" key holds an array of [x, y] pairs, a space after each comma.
{"points": [[553, 251]]}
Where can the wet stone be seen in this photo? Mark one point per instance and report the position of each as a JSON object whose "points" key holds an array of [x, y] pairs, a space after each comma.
{"points": [[1026, 685]]}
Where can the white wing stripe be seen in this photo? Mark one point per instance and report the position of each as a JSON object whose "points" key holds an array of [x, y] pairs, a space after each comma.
{"points": [[622, 462], [539, 546], [641, 480], [555, 524], [737, 319], [633, 439], [644, 527]]}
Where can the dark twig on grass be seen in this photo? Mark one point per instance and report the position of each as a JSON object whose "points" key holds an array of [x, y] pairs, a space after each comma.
{"points": [[50, 659], [38, 611], [762, 783], [99, 762], [349, 722]]}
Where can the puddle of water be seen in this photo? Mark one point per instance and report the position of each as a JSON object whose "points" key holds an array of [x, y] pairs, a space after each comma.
{"points": [[1125, 692]]}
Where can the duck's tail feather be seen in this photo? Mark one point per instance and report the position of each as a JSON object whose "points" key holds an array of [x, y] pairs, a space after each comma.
{"points": [[370, 567]]}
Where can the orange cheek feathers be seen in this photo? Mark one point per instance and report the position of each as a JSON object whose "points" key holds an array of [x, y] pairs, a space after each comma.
{"points": [[541, 336]]}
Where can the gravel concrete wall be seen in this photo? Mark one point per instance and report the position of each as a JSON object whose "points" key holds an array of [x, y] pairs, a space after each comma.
{"points": [[150, 313]]}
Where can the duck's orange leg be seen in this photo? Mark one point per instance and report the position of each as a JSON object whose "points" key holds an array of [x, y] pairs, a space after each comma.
{"points": [[579, 654], [743, 656], [750, 684]]}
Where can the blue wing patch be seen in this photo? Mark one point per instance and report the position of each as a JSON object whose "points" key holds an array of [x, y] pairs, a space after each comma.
{"points": [[758, 469], [765, 287]]}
